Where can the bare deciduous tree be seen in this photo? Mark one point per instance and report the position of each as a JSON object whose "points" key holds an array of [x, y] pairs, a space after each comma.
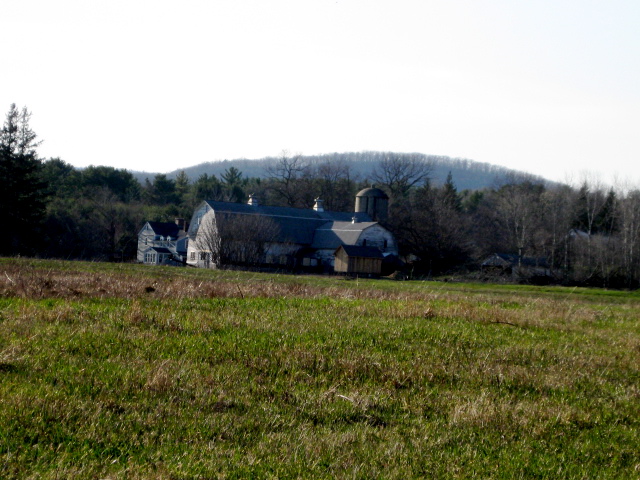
{"points": [[630, 237], [518, 210], [285, 174], [558, 206], [399, 173], [334, 185]]}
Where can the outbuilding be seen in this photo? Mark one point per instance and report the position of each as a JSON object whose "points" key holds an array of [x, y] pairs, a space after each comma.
{"points": [[358, 260]]}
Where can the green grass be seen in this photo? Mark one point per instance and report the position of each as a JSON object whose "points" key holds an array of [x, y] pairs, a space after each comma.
{"points": [[122, 371]]}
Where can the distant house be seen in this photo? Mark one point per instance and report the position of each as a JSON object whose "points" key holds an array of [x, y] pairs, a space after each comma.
{"points": [[519, 268], [285, 237], [358, 260], [162, 243]]}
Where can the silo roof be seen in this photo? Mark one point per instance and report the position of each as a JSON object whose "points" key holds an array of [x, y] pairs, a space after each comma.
{"points": [[372, 192]]}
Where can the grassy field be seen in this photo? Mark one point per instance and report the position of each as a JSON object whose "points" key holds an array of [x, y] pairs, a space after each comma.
{"points": [[125, 371]]}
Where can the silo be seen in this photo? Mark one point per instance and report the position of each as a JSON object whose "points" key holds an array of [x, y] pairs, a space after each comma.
{"points": [[374, 202]]}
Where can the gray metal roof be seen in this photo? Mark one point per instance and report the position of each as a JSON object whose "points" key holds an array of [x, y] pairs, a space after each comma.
{"points": [[297, 225], [333, 234]]}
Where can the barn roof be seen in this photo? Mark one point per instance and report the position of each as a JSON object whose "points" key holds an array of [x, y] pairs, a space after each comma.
{"points": [[285, 212], [333, 234], [297, 225]]}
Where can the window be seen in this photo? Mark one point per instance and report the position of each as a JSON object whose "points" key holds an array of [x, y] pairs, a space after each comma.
{"points": [[193, 255], [364, 242]]}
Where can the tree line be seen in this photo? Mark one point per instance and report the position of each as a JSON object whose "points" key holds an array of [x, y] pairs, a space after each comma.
{"points": [[588, 234]]}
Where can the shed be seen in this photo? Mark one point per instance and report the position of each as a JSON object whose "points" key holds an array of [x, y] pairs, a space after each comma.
{"points": [[358, 260]]}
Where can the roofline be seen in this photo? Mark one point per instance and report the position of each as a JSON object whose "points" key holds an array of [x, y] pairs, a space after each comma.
{"points": [[346, 229], [263, 214]]}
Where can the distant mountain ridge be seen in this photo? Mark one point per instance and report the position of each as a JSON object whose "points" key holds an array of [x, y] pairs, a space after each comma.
{"points": [[466, 174]]}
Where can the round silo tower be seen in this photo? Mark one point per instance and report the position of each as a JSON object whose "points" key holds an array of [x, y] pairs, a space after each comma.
{"points": [[374, 202]]}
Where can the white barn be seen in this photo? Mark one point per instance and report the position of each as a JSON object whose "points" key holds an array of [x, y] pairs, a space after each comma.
{"points": [[305, 239]]}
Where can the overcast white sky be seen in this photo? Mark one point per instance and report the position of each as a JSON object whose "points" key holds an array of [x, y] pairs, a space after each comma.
{"points": [[551, 87]]}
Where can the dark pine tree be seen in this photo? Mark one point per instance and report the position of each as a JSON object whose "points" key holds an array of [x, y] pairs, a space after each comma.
{"points": [[23, 193]]}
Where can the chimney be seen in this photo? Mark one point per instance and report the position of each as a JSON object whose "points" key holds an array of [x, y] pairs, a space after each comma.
{"points": [[253, 201], [319, 205]]}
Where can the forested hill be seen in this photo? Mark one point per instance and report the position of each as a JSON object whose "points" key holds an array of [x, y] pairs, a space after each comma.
{"points": [[466, 174]]}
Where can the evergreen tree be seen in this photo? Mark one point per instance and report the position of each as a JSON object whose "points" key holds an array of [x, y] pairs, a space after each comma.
{"points": [[162, 191], [450, 195], [182, 187], [23, 193]]}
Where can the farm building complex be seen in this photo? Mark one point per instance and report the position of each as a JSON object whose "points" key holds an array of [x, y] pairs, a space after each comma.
{"points": [[222, 233]]}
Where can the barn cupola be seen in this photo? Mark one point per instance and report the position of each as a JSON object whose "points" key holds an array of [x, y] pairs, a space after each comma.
{"points": [[373, 202], [253, 200], [319, 205]]}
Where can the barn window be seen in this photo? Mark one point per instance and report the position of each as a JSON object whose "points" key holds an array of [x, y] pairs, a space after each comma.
{"points": [[193, 255]]}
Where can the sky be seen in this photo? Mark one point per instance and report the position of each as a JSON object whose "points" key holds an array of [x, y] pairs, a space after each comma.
{"points": [[549, 87]]}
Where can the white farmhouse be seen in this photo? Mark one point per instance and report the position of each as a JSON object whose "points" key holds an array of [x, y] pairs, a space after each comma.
{"points": [[163, 243]]}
